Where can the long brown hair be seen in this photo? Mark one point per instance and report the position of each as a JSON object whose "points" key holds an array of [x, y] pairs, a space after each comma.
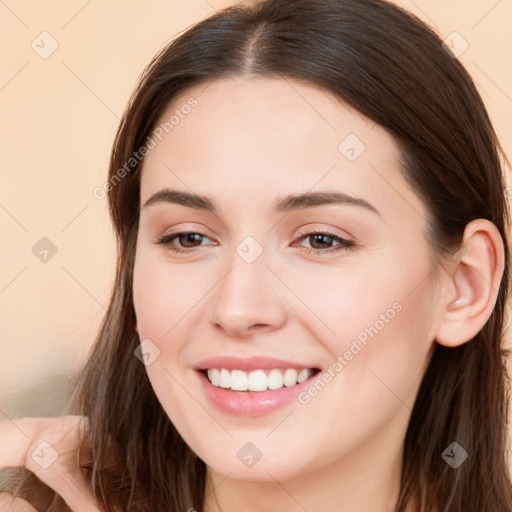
{"points": [[392, 68]]}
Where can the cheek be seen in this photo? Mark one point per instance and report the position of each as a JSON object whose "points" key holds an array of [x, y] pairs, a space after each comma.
{"points": [[362, 302], [163, 297], [377, 325]]}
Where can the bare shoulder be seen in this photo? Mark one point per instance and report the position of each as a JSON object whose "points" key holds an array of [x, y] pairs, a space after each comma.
{"points": [[8, 503]]}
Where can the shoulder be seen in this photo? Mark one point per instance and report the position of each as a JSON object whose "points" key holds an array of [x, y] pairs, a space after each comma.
{"points": [[11, 504]]}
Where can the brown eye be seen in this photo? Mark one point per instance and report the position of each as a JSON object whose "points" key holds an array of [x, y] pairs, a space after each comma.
{"points": [[187, 241], [321, 243], [321, 239], [189, 238]]}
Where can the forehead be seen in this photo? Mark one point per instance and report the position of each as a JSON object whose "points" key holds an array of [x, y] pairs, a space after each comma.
{"points": [[262, 137]]}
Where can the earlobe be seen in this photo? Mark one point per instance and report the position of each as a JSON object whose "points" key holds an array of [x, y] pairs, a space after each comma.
{"points": [[471, 287]]}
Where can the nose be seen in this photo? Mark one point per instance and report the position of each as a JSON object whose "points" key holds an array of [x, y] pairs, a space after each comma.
{"points": [[248, 299]]}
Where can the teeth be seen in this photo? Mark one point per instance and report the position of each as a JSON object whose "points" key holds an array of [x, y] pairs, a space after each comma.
{"points": [[257, 380], [275, 379], [290, 377], [303, 375], [238, 380]]}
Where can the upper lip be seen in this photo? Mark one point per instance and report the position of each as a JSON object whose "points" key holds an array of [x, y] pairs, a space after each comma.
{"points": [[248, 364]]}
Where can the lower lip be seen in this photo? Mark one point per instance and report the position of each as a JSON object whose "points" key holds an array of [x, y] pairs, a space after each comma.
{"points": [[251, 403]]}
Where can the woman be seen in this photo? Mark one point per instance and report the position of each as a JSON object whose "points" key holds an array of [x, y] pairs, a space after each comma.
{"points": [[311, 283]]}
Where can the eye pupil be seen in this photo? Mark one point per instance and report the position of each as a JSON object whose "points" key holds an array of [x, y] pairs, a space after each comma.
{"points": [[190, 237], [319, 237]]}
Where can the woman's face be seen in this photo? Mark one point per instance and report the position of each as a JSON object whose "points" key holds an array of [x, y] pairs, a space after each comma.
{"points": [[254, 281]]}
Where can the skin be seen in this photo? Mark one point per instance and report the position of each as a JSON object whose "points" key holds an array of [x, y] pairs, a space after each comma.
{"points": [[247, 142], [48, 448]]}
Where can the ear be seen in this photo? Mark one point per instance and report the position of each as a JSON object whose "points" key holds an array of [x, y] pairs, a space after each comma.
{"points": [[471, 288]]}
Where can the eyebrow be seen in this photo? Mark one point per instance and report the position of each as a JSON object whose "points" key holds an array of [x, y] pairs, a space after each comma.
{"points": [[284, 204]]}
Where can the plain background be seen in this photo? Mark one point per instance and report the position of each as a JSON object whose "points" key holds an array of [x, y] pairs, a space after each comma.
{"points": [[58, 119]]}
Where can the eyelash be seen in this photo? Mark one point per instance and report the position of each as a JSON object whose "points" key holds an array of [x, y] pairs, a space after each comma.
{"points": [[342, 242]]}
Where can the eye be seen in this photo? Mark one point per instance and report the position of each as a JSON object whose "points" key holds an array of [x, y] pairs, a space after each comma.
{"points": [[323, 238], [185, 237]]}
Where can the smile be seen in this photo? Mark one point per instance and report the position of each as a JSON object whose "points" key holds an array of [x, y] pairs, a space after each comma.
{"points": [[258, 380]]}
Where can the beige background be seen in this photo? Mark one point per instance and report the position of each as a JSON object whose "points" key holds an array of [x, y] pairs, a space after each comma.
{"points": [[59, 116]]}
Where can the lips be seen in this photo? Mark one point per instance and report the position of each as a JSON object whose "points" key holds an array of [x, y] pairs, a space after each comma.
{"points": [[259, 393], [249, 403]]}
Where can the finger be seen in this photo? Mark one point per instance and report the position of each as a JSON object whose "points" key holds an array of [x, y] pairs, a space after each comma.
{"points": [[53, 455], [72, 487], [14, 440]]}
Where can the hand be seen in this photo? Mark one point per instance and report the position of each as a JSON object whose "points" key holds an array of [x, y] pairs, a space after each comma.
{"points": [[48, 447]]}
